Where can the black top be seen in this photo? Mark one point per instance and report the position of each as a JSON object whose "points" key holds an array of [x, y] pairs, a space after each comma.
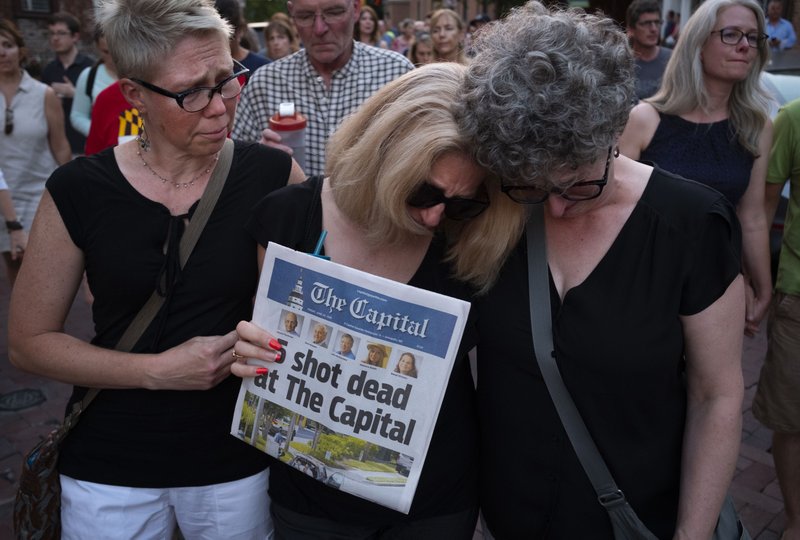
{"points": [[167, 438], [54, 72], [448, 484], [619, 347], [708, 153]]}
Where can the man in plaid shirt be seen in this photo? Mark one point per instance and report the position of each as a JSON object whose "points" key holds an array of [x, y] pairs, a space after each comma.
{"points": [[326, 81]]}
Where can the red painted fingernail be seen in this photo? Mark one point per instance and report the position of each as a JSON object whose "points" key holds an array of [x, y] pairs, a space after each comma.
{"points": [[278, 357], [262, 371], [274, 344]]}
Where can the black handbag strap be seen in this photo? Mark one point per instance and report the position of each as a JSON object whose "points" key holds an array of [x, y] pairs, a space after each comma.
{"points": [[189, 239], [609, 495]]}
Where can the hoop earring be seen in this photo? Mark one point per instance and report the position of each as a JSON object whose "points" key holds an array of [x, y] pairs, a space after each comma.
{"points": [[616, 151], [143, 139]]}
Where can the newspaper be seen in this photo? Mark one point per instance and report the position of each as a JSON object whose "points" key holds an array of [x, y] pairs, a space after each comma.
{"points": [[366, 365]]}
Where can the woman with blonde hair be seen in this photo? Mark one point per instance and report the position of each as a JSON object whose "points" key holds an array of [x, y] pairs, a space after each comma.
{"points": [[710, 122], [367, 30], [447, 32], [403, 199]]}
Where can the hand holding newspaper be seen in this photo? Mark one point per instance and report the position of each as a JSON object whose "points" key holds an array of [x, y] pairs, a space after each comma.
{"points": [[365, 366]]}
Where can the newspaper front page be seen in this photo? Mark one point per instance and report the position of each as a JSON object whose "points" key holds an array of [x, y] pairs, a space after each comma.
{"points": [[366, 364]]}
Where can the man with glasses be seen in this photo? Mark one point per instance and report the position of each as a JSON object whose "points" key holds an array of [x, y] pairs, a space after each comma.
{"points": [[326, 81], [644, 29], [62, 72]]}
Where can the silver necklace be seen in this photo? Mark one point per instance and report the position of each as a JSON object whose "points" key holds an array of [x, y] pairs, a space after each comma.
{"points": [[178, 185]]}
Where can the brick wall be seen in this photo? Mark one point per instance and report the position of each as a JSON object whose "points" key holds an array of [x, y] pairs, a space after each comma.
{"points": [[34, 29]]}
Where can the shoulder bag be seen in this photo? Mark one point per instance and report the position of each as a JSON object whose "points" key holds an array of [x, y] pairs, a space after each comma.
{"points": [[37, 506], [624, 521]]}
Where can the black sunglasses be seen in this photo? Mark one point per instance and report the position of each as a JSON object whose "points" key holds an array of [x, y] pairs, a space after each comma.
{"points": [[456, 208], [198, 98], [9, 121]]}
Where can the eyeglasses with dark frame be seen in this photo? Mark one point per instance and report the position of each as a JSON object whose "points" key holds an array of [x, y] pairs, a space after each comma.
{"points": [[456, 208], [9, 121], [580, 191], [733, 36], [198, 98]]}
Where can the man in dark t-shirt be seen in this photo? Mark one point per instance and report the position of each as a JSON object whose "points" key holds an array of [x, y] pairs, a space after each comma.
{"points": [[62, 72], [643, 20]]}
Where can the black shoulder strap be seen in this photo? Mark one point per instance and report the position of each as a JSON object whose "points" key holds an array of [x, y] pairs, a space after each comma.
{"points": [[624, 520], [92, 77]]}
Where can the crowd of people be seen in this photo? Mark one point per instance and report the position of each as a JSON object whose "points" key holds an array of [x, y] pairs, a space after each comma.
{"points": [[437, 154]]}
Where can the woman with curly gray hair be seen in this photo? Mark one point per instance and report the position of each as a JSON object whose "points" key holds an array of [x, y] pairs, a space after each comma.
{"points": [[645, 287], [710, 122]]}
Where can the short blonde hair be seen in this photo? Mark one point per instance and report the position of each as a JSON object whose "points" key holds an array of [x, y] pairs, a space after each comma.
{"points": [[142, 33], [386, 149]]}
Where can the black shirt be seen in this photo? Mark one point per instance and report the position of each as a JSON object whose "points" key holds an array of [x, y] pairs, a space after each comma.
{"points": [[619, 346], [167, 438], [448, 484], [54, 72]]}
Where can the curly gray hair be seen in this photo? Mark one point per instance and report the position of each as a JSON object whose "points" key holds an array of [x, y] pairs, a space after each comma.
{"points": [[548, 89]]}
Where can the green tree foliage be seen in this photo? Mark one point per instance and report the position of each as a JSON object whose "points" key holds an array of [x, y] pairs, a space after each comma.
{"points": [[262, 10], [338, 446]]}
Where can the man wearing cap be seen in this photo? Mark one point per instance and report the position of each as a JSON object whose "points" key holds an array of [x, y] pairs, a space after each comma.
{"points": [[326, 81]]}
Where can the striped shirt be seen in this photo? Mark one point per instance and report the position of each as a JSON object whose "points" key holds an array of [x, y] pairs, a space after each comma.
{"points": [[293, 79]]}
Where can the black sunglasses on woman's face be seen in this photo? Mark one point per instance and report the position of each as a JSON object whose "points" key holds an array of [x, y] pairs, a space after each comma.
{"points": [[456, 208]]}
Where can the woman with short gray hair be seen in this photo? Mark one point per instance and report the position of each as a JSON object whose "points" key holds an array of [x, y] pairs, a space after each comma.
{"points": [[645, 287], [153, 450]]}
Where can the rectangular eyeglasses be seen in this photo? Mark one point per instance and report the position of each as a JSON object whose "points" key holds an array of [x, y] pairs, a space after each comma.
{"points": [[733, 36], [579, 191], [196, 99]]}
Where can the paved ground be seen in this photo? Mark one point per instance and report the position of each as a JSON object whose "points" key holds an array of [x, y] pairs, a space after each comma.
{"points": [[755, 488]]}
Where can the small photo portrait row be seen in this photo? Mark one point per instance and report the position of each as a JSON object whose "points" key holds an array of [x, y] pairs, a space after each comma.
{"points": [[346, 345]]}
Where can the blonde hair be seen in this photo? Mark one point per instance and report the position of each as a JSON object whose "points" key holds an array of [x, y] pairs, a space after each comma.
{"points": [[386, 149], [683, 87], [438, 14]]}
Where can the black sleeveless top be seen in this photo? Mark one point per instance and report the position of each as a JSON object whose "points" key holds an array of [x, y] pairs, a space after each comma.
{"points": [[707, 153]]}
